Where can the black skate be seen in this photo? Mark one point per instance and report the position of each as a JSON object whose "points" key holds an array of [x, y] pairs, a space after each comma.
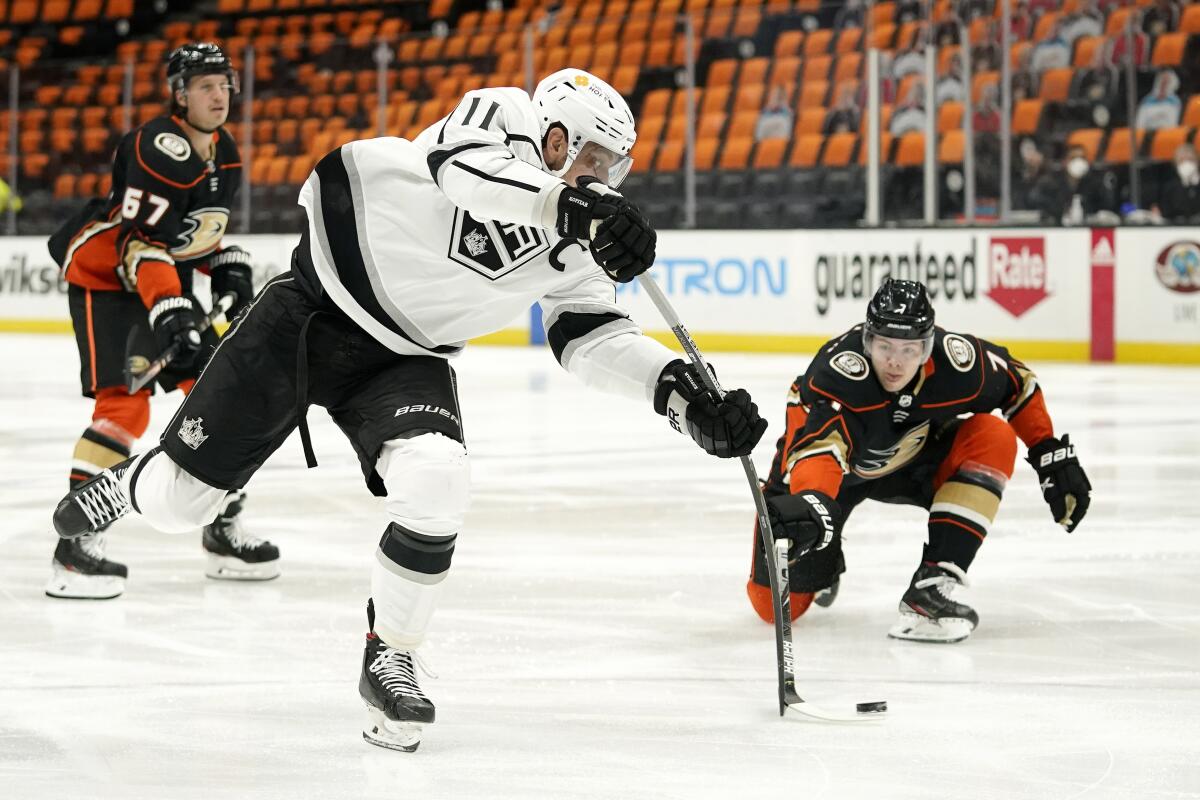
{"points": [[92, 505], [234, 554], [397, 709], [81, 571], [927, 614]]}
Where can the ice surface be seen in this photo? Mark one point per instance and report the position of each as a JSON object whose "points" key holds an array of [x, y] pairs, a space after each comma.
{"points": [[594, 639]]}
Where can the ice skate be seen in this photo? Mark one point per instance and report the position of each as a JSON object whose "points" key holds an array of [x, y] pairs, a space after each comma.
{"points": [[81, 571], [93, 505], [927, 614], [397, 709], [232, 553]]}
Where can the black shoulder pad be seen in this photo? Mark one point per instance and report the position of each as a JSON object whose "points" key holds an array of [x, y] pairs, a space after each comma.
{"points": [[164, 153], [841, 372]]}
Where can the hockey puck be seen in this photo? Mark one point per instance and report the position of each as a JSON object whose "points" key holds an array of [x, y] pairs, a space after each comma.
{"points": [[877, 707]]}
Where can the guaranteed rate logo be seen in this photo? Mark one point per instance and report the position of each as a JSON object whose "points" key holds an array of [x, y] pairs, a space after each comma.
{"points": [[855, 274], [1017, 272], [1178, 267]]}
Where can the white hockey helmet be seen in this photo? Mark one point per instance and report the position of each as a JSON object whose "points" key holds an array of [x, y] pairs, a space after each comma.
{"points": [[591, 111]]}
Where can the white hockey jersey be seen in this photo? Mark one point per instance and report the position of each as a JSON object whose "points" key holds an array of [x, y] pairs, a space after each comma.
{"points": [[429, 243]]}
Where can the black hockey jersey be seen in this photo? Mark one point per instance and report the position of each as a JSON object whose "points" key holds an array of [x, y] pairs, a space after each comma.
{"points": [[168, 210], [844, 428]]}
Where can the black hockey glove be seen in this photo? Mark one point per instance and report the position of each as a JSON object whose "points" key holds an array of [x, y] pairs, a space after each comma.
{"points": [[620, 238], [723, 429], [580, 211], [810, 519], [1064, 485], [230, 272], [625, 245], [176, 320]]}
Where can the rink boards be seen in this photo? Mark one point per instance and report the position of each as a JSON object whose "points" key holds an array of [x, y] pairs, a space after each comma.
{"points": [[1125, 294]]}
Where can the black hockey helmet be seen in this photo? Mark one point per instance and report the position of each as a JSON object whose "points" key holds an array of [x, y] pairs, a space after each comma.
{"points": [[900, 310], [198, 58]]}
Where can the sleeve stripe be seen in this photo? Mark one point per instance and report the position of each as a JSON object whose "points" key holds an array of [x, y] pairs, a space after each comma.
{"points": [[506, 181], [572, 330], [487, 118], [471, 111], [438, 158]]}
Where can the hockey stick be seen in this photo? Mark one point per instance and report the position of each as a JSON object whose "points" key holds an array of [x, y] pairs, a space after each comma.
{"points": [[777, 567], [135, 379]]}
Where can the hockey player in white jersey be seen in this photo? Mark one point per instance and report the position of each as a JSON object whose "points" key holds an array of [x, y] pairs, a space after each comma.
{"points": [[411, 249]]}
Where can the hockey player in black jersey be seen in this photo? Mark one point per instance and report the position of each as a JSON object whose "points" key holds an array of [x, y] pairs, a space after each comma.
{"points": [[129, 260], [900, 411], [411, 249]]}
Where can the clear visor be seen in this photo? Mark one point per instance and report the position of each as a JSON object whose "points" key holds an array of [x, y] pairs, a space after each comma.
{"points": [[227, 81], [904, 351], [600, 162]]}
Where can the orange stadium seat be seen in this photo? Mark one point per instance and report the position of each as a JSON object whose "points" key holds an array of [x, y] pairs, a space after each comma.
{"points": [[1166, 140], [670, 156], [839, 150], [736, 153], [950, 116], [1087, 138], [769, 153], [818, 42], [743, 123], [789, 43], [813, 94], [816, 68], [722, 71], [806, 151], [1191, 113], [810, 121], [910, 152], [1085, 50], [882, 36], [746, 22], [849, 41], [754, 70], [1189, 22], [1168, 50], [1056, 85], [1120, 148], [784, 70], [749, 97], [1027, 116], [950, 148]]}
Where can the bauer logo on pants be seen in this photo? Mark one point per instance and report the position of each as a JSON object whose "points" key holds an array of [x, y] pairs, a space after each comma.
{"points": [[191, 432]]}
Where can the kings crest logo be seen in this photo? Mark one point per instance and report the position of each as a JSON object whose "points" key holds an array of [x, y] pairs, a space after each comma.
{"points": [[494, 249], [192, 433]]}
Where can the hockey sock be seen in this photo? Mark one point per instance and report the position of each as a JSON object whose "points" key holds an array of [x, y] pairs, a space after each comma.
{"points": [[962, 513], [406, 580], [102, 445], [169, 498]]}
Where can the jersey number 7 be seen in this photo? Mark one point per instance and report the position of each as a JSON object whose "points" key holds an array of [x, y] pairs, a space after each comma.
{"points": [[132, 204]]}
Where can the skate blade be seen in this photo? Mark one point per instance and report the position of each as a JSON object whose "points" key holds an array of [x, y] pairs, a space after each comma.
{"points": [[228, 568], [66, 584], [916, 628], [392, 734]]}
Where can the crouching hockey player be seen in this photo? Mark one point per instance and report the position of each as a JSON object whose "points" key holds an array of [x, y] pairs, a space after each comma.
{"points": [[900, 411], [411, 249], [128, 260]]}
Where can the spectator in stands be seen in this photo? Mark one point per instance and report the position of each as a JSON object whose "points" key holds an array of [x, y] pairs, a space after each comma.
{"points": [[776, 118], [1052, 52], [1160, 18], [986, 118], [1119, 46], [912, 60], [986, 54], [910, 116], [851, 15], [969, 10], [1020, 23], [1087, 20], [1162, 107], [950, 85], [1096, 90], [1022, 86], [1078, 193], [908, 11], [1179, 199], [1029, 169], [844, 116], [9, 200]]}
